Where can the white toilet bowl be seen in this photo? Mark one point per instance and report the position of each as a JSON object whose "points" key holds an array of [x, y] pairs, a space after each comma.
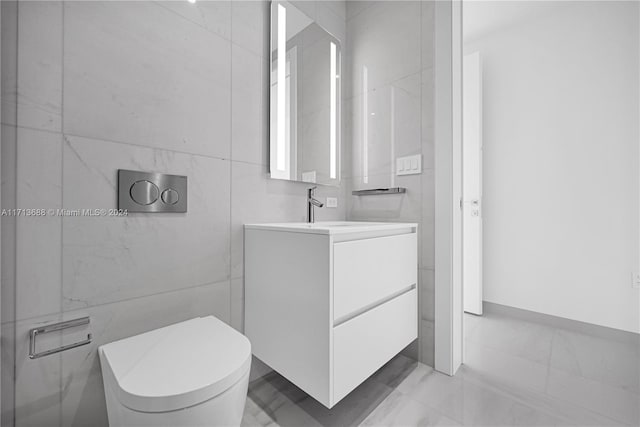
{"points": [[193, 373]]}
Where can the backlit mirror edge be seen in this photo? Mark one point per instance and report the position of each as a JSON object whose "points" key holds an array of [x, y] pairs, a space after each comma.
{"points": [[278, 14]]}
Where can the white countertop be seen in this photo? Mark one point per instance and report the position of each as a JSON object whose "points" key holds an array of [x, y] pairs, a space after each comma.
{"points": [[331, 227]]}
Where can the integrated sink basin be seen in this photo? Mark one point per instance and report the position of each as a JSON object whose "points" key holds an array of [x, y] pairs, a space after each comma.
{"points": [[331, 227], [339, 224]]}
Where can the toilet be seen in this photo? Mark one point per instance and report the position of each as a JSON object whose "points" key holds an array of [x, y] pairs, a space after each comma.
{"points": [[193, 373]]}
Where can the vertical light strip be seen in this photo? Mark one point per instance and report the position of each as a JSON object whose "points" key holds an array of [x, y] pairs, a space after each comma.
{"points": [[282, 85], [638, 188], [392, 137], [365, 125], [332, 111]]}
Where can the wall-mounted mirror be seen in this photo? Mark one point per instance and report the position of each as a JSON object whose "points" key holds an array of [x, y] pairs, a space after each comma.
{"points": [[304, 98]]}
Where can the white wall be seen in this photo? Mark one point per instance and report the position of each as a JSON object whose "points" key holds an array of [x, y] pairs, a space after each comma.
{"points": [[561, 160]]}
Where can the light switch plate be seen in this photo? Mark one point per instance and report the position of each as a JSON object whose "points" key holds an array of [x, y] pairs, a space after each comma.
{"points": [[635, 280], [409, 165], [332, 202]]}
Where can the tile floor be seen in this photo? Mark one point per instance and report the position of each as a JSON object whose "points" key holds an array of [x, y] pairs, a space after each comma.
{"points": [[516, 373]]}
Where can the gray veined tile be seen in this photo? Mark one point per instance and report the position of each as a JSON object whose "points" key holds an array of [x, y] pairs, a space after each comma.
{"points": [[412, 351], [137, 72], [550, 407], [250, 25], [390, 115], [612, 402], [427, 120], [237, 304], [427, 25], [427, 228], [415, 377], [40, 65], [610, 362], [394, 372], [374, 37], [351, 410], [502, 366], [287, 405], [519, 338], [254, 416], [399, 410], [471, 322], [427, 293], [471, 402], [258, 369], [7, 364], [353, 8], [554, 390], [113, 258], [431, 388], [519, 414], [270, 395], [478, 404], [37, 384], [427, 342], [405, 101], [9, 47], [249, 103], [8, 259], [38, 237], [215, 16]]}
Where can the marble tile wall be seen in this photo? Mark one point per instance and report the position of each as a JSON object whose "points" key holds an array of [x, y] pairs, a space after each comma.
{"points": [[162, 86], [392, 42], [8, 68]]}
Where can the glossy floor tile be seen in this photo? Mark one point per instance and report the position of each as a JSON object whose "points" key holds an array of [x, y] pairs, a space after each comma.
{"points": [[586, 379], [516, 373]]}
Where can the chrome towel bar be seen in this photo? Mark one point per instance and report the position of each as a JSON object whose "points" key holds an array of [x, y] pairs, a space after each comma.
{"points": [[379, 191], [33, 333]]}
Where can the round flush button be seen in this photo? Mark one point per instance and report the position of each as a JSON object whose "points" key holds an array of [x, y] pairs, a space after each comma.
{"points": [[170, 196], [144, 192]]}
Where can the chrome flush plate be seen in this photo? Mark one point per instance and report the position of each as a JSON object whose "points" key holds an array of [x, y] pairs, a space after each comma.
{"points": [[151, 192]]}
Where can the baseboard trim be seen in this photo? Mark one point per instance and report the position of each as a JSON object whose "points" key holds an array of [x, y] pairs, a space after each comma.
{"points": [[563, 323]]}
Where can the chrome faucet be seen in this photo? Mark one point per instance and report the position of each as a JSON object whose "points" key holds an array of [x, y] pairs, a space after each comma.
{"points": [[312, 202]]}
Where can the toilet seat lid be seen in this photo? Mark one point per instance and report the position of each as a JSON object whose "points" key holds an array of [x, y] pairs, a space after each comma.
{"points": [[176, 366]]}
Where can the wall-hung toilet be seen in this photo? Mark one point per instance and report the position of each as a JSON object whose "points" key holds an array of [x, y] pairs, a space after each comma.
{"points": [[193, 373]]}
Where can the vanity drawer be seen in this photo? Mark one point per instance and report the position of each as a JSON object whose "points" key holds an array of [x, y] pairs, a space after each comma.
{"points": [[370, 270], [363, 344]]}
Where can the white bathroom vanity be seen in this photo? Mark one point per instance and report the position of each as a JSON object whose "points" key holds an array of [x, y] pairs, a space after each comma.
{"points": [[327, 304]]}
